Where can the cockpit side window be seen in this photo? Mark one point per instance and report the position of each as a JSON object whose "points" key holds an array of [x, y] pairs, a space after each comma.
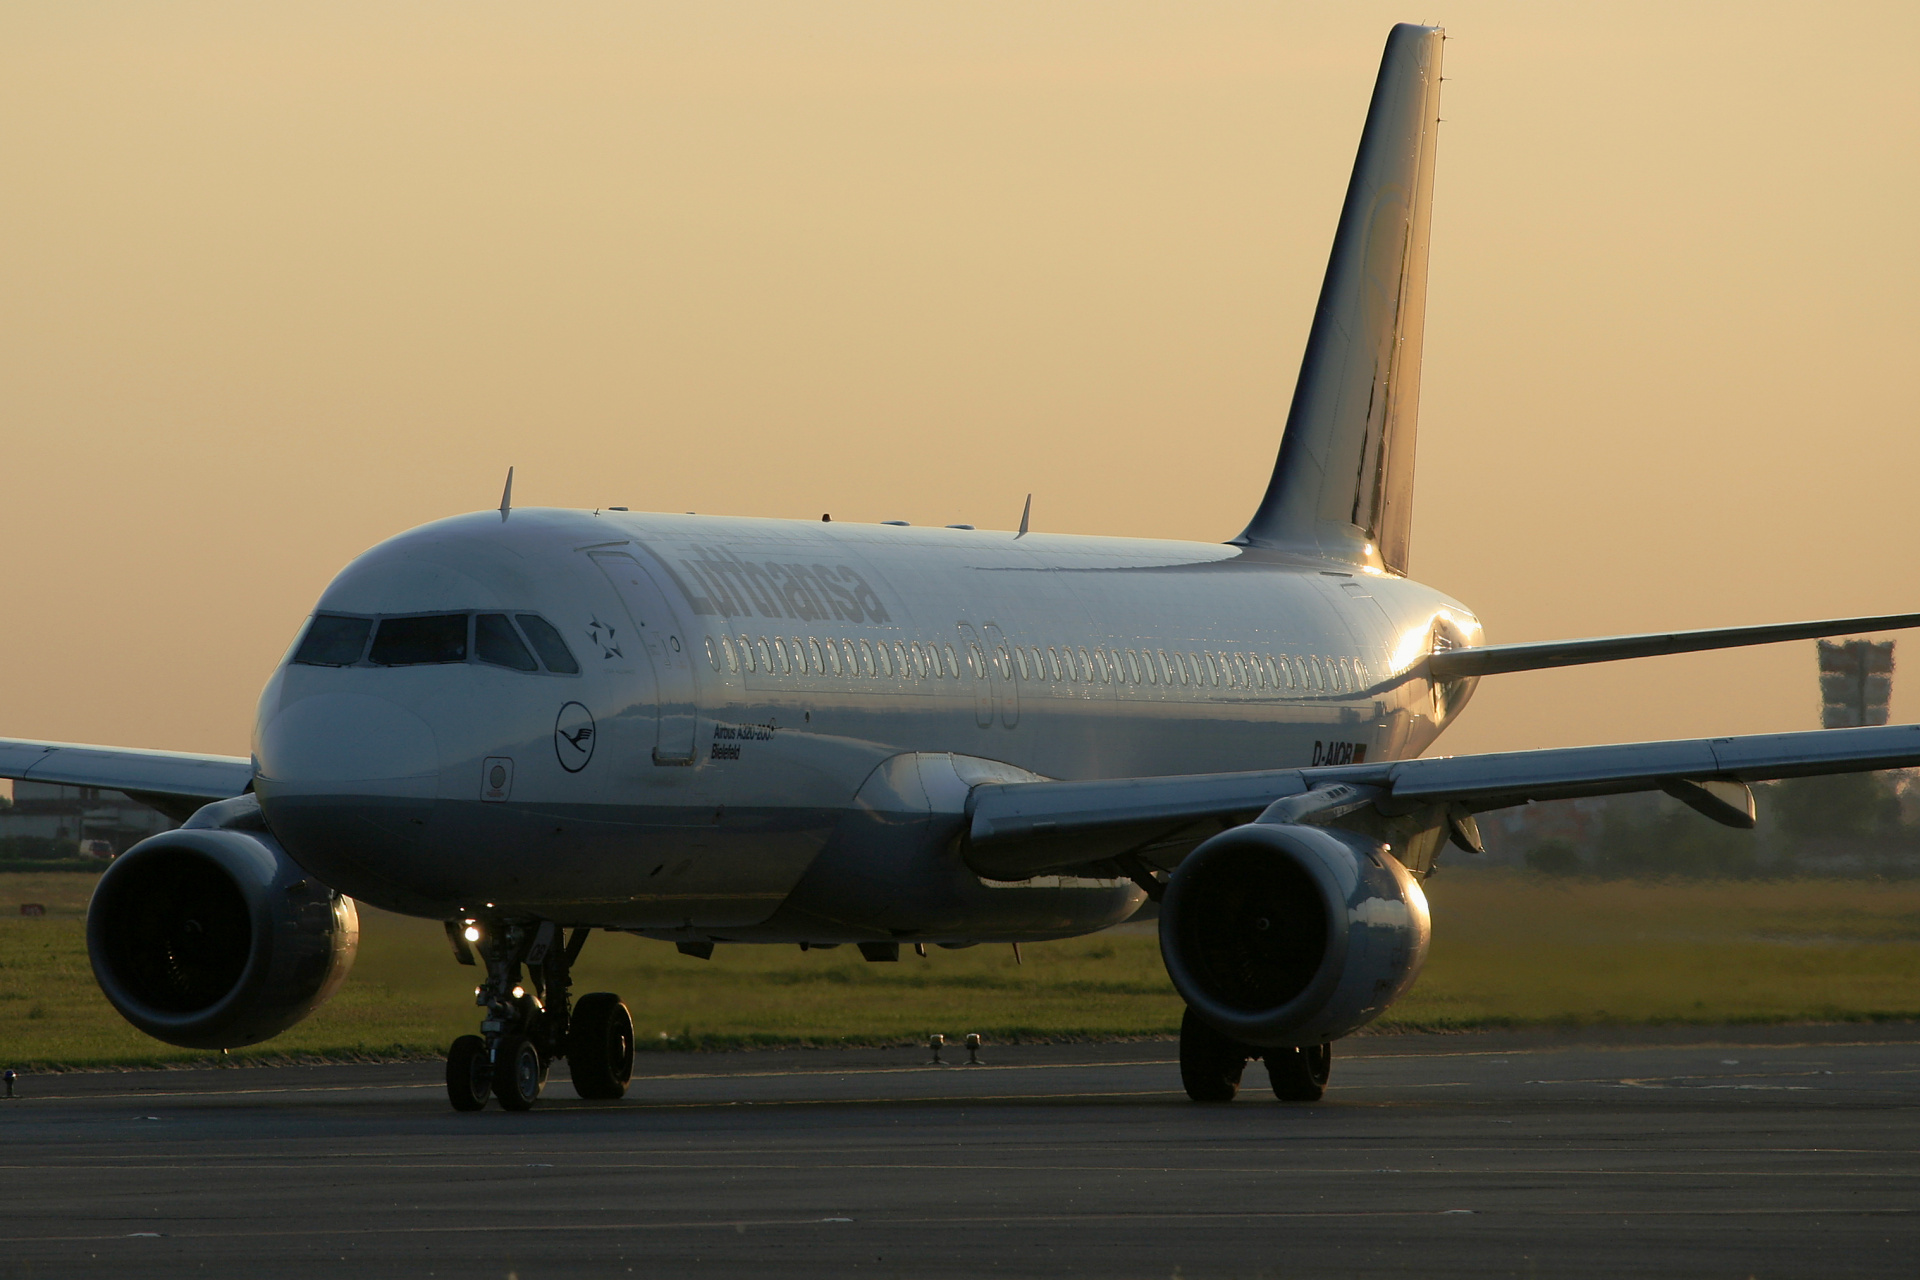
{"points": [[547, 643], [333, 640], [419, 640], [495, 641]]}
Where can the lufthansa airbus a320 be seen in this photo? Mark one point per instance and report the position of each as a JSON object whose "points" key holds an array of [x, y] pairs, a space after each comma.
{"points": [[532, 724]]}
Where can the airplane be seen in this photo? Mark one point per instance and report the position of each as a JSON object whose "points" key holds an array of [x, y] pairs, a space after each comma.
{"points": [[531, 724]]}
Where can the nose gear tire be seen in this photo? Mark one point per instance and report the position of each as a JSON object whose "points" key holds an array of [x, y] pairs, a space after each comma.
{"points": [[518, 1073], [469, 1074], [1210, 1063], [1300, 1075], [600, 1046]]}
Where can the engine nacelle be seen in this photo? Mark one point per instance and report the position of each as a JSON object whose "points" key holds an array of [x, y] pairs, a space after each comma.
{"points": [[1292, 935], [210, 937]]}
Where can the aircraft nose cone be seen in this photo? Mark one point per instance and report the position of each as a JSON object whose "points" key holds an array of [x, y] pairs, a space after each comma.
{"points": [[348, 744], [348, 782]]}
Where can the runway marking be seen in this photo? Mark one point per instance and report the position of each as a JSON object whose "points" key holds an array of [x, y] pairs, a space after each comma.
{"points": [[1001, 1220], [833, 1073], [599, 1166]]}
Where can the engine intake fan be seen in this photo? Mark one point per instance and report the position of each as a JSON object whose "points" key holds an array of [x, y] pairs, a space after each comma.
{"points": [[213, 938], [1280, 934]]}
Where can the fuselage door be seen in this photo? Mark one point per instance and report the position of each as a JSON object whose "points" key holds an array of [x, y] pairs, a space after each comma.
{"points": [[658, 625], [1000, 662], [977, 662]]}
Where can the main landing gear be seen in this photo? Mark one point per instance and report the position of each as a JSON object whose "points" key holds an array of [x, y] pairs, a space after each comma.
{"points": [[531, 1023], [1211, 1065]]}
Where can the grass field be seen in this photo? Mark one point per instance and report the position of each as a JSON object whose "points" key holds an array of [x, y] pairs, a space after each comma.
{"points": [[1509, 950]]}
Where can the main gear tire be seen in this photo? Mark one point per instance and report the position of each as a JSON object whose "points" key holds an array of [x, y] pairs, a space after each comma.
{"points": [[518, 1073], [1211, 1063], [469, 1074], [600, 1046], [1300, 1075]]}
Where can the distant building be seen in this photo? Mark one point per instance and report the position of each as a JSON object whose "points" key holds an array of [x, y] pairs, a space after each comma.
{"points": [[1856, 683], [50, 820]]}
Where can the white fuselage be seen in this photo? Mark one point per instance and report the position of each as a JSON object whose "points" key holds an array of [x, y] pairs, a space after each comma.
{"points": [[774, 723]]}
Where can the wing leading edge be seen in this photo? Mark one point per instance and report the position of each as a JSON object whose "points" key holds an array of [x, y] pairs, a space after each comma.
{"points": [[1024, 829], [174, 782]]}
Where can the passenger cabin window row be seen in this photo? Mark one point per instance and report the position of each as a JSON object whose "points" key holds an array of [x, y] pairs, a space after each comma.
{"points": [[1065, 665], [426, 639]]}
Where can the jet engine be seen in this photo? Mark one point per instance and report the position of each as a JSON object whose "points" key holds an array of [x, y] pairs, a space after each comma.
{"points": [[210, 937], [1283, 935]]}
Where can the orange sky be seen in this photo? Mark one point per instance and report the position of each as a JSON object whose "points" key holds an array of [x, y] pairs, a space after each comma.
{"points": [[283, 280]]}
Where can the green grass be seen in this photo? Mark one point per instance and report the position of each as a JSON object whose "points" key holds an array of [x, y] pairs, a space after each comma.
{"points": [[1509, 950]]}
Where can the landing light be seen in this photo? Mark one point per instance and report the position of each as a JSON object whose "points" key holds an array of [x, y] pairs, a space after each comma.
{"points": [[519, 991], [472, 934]]}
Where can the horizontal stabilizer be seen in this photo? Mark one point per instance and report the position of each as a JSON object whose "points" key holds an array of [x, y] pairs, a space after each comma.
{"points": [[1497, 659]]}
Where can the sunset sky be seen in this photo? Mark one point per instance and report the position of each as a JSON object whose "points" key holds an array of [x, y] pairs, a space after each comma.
{"points": [[283, 280]]}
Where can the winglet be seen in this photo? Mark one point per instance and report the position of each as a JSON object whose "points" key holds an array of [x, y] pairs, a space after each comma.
{"points": [[1025, 512], [506, 495]]}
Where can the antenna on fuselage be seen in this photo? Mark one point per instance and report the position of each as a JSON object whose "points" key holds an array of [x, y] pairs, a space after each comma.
{"points": [[506, 495], [1024, 513]]}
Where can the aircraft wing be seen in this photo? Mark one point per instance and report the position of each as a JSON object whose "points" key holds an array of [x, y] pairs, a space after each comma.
{"points": [[1497, 659], [1020, 829], [174, 782]]}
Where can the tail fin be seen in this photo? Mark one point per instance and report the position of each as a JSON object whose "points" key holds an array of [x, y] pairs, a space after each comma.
{"points": [[1343, 486]]}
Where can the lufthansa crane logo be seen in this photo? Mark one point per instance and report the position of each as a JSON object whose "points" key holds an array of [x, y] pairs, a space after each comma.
{"points": [[573, 734]]}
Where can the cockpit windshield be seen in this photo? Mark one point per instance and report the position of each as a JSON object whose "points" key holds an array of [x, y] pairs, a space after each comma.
{"points": [[334, 641], [409, 640], [413, 642]]}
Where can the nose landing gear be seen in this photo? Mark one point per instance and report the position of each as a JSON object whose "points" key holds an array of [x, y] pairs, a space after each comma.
{"points": [[530, 1024]]}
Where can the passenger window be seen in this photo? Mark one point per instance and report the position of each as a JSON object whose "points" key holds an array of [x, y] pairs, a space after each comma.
{"points": [[1146, 667], [1100, 665], [850, 659], [1213, 672], [546, 641], [746, 653], [1319, 669], [333, 640], [780, 657], [496, 642], [815, 663], [1053, 663], [833, 657], [766, 658], [1133, 667], [713, 655], [866, 657], [1179, 668], [412, 642], [1020, 655], [1166, 668], [1273, 677], [1361, 678], [1239, 672], [799, 655], [885, 659], [733, 659], [953, 664]]}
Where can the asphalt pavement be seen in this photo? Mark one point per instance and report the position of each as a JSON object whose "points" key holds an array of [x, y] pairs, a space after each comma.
{"points": [[1776, 1152]]}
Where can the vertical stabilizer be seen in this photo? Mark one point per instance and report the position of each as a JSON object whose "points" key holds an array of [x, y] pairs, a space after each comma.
{"points": [[1343, 487]]}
